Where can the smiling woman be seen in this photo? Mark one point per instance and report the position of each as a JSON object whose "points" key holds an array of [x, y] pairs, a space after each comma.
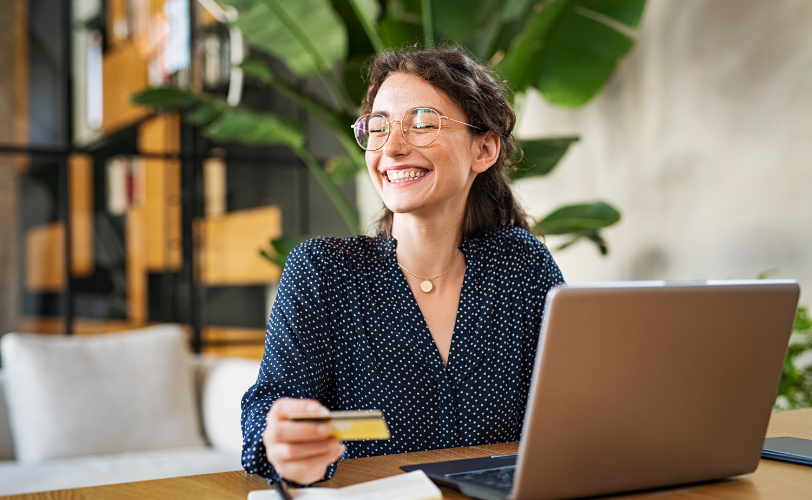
{"points": [[434, 321], [477, 96]]}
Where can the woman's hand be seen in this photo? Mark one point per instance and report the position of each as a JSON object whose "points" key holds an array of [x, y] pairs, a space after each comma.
{"points": [[299, 451]]}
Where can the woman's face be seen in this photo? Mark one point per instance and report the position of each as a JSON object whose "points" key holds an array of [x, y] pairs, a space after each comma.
{"points": [[440, 174]]}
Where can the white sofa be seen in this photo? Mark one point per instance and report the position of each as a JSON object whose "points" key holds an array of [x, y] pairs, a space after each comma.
{"points": [[63, 453]]}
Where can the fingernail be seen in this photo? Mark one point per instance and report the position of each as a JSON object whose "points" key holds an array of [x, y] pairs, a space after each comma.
{"points": [[317, 408], [323, 429]]}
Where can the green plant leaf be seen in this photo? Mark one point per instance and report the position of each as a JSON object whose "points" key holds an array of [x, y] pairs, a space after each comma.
{"points": [[803, 322], [768, 273], [280, 248], [623, 11], [167, 97], [338, 121], [457, 19], [368, 12], [307, 35], [396, 33], [330, 188], [248, 127], [341, 169], [579, 218], [206, 112], [483, 40], [410, 11], [593, 236], [596, 238], [569, 49], [257, 69], [795, 387], [322, 111], [204, 108], [513, 9], [354, 79], [540, 156]]}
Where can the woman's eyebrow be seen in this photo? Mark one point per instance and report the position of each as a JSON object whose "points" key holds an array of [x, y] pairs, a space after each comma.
{"points": [[385, 114]]}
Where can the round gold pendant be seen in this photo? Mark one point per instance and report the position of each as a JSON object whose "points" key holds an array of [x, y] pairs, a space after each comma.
{"points": [[426, 286]]}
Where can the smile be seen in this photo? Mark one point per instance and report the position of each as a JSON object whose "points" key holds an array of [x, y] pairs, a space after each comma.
{"points": [[404, 175]]}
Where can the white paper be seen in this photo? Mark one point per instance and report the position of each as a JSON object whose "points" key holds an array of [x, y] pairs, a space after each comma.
{"points": [[411, 486]]}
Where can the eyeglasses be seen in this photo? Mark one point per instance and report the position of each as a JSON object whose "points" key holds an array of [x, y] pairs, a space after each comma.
{"points": [[419, 126]]}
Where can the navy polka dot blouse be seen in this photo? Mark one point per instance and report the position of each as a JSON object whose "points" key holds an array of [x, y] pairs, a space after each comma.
{"points": [[346, 330]]}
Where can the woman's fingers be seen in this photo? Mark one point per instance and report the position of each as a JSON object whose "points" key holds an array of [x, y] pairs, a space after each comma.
{"points": [[283, 406], [280, 429], [311, 469], [298, 451], [286, 431]]}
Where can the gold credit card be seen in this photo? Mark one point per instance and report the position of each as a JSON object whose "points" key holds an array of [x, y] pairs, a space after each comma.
{"points": [[350, 425]]}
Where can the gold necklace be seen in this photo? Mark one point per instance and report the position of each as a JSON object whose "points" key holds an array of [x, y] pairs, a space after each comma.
{"points": [[426, 285]]}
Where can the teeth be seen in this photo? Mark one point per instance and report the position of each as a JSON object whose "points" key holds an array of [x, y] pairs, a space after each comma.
{"points": [[404, 175]]}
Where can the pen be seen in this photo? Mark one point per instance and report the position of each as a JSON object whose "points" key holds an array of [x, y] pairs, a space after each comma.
{"points": [[283, 490]]}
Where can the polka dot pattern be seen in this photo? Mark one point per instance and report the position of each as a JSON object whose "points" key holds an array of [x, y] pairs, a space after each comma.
{"points": [[346, 330]]}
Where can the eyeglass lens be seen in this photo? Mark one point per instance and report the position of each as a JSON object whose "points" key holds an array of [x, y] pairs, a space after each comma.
{"points": [[420, 127]]}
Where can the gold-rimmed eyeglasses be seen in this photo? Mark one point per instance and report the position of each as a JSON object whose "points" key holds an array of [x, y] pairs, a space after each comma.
{"points": [[419, 126]]}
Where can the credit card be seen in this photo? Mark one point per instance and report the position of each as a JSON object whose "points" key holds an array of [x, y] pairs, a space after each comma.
{"points": [[350, 425]]}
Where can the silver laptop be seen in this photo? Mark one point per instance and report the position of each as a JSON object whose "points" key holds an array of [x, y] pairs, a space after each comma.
{"points": [[641, 385]]}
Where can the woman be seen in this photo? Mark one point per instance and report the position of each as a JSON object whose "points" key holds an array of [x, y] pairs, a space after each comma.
{"points": [[436, 320]]}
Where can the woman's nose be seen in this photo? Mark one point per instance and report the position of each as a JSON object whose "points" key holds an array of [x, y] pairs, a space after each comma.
{"points": [[396, 144]]}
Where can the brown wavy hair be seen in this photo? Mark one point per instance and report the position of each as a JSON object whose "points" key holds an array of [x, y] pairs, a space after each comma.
{"points": [[482, 98]]}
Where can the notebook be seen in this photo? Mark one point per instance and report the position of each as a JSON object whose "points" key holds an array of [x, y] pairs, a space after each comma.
{"points": [[411, 486], [642, 385]]}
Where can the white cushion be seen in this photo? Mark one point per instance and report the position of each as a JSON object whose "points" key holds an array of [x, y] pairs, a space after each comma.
{"points": [[74, 396], [6, 443], [226, 382], [79, 472]]}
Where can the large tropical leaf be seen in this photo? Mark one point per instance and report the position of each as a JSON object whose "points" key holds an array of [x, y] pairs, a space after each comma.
{"points": [[570, 48], [397, 33], [353, 78], [410, 11], [281, 248], [336, 120], [168, 97], [207, 112], [341, 169], [368, 12], [593, 236], [513, 9], [540, 156], [261, 129], [457, 19], [257, 69], [586, 217], [307, 35], [202, 109]]}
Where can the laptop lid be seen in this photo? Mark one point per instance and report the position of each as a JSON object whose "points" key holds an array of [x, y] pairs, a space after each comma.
{"points": [[648, 384]]}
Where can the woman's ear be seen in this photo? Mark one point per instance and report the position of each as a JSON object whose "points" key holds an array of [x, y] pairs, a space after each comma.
{"points": [[486, 151]]}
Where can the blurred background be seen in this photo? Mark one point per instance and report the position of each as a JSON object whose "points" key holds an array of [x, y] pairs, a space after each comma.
{"points": [[158, 158]]}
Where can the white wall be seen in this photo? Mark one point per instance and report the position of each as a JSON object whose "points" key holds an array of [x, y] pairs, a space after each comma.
{"points": [[703, 140]]}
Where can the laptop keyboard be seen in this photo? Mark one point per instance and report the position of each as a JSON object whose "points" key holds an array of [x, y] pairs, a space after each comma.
{"points": [[500, 478]]}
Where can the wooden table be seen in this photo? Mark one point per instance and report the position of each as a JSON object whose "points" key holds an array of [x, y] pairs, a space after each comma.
{"points": [[772, 480]]}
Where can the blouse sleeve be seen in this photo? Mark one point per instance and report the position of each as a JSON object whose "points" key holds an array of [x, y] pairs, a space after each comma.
{"points": [[298, 354]]}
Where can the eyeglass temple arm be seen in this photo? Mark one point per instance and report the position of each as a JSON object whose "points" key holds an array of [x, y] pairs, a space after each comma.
{"points": [[453, 120]]}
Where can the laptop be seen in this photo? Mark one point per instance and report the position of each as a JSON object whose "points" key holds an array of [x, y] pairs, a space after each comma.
{"points": [[641, 385]]}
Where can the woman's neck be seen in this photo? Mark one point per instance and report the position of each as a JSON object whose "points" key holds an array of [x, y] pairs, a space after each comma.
{"points": [[426, 247]]}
